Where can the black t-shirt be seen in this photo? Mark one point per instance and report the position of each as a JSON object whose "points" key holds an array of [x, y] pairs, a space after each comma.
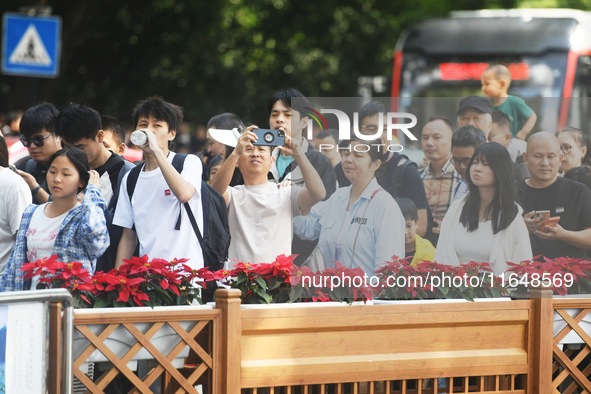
{"points": [[39, 172], [580, 174], [565, 198]]}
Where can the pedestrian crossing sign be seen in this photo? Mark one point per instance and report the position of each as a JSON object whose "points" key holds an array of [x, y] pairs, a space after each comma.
{"points": [[31, 45]]}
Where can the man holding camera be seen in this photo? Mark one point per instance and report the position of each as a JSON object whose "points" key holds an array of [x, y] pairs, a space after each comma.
{"points": [[260, 212], [285, 108]]}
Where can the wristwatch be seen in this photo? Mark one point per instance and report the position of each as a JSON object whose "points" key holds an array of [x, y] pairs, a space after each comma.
{"points": [[36, 190]]}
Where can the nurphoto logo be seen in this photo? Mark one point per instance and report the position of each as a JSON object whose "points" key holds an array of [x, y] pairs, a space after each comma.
{"points": [[401, 121]]}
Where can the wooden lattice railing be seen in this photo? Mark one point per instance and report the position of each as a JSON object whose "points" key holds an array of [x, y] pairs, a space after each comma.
{"points": [[513, 384], [571, 346], [189, 335], [490, 347]]}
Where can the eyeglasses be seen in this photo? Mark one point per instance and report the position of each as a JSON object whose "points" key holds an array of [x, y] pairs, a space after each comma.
{"points": [[461, 162], [38, 140], [565, 148]]}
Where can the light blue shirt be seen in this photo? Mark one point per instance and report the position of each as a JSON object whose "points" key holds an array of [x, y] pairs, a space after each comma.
{"points": [[282, 163], [373, 229]]}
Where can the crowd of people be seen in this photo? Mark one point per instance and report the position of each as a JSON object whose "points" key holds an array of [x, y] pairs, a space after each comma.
{"points": [[490, 189]]}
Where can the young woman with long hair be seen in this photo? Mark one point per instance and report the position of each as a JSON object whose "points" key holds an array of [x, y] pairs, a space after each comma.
{"points": [[486, 225]]}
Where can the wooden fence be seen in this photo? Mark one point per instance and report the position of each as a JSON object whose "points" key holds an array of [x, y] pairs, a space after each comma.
{"points": [[441, 347]]}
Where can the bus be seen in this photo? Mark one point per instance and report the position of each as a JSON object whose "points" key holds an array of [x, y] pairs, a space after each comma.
{"points": [[548, 51]]}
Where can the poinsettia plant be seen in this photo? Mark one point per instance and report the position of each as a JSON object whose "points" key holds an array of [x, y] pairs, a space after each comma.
{"points": [[138, 282], [283, 281], [261, 283], [562, 275], [400, 280]]}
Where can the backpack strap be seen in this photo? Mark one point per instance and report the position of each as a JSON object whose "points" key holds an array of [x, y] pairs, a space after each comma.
{"points": [[132, 178], [125, 168]]}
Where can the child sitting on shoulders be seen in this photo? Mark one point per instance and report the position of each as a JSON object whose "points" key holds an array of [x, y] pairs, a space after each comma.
{"points": [[496, 80]]}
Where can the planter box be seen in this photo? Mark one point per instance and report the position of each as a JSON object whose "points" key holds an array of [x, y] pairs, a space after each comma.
{"points": [[121, 340], [437, 301]]}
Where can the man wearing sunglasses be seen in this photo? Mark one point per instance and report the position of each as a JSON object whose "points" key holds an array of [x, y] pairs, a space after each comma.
{"points": [[38, 135]]}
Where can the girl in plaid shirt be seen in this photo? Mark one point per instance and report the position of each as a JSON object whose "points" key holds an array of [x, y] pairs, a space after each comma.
{"points": [[74, 231]]}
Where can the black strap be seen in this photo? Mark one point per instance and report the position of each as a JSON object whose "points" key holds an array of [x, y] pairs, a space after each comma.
{"points": [[193, 223]]}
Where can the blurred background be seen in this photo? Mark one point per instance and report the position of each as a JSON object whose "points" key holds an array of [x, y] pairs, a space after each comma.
{"points": [[223, 55]]}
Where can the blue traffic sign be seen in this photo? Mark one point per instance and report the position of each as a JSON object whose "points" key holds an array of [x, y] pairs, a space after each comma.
{"points": [[31, 45]]}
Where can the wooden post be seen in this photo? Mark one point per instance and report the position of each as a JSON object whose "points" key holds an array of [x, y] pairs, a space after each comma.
{"points": [[56, 349], [228, 300], [543, 341]]}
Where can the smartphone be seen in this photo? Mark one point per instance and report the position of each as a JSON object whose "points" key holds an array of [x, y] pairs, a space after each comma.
{"points": [[544, 215], [553, 221], [269, 137]]}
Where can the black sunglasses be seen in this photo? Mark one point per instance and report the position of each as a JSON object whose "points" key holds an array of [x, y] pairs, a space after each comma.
{"points": [[38, 140]]}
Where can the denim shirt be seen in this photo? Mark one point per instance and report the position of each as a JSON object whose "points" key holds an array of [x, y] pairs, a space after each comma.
{"points": [[81, 237]]}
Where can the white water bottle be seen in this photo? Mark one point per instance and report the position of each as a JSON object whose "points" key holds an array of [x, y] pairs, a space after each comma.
{"points": [[139, 138]]}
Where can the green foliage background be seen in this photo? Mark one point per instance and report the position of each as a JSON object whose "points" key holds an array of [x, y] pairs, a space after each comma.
{"points": [[226, 55]]}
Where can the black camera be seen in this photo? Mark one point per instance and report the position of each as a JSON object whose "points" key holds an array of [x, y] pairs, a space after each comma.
{"points": [[269, 137]]}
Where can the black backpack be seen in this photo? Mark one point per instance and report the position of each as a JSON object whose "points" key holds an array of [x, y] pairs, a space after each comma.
{"points": [[216, 240]]}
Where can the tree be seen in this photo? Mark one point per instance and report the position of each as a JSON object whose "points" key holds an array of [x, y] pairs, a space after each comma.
{"points": [[217, 56]]}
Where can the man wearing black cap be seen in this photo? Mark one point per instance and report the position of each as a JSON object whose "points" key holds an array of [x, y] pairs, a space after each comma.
{"points": [[475, 111]]}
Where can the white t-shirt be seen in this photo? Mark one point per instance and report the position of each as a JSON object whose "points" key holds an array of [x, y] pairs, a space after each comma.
{"points": [[475, 245], [155, 210], [260, 219], [15, 195], [41, 236], [106, 187]]}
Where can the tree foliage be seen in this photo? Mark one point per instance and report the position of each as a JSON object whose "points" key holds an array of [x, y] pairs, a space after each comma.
{"points": [[214, 56]]}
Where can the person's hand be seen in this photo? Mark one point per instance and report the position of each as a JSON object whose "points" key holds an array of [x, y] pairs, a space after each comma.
{"points": [[550, 232], [292, 147], [152, 145], [30, 179], [93, 178], [246, 140], [533, 224], [521, 135]]}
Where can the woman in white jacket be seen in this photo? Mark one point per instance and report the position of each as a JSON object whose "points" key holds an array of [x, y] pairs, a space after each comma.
{"points": [[487, 224]]}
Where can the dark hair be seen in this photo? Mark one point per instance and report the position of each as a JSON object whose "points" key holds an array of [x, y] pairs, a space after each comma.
{"points": [[77, 121], [370, 109], [113, 125], [503, 205], [581, 139], [37, 118], [374, 147], [441, 118], [408, 208], [286, 96], [160, 110], [226, 121], [468, 136], [500, 118], [78, 158], [3, 152], [334, 134]]}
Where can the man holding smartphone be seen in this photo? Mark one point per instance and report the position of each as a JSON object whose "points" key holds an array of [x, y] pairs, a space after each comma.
{"points": [[285, 112], [558, 210]]}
